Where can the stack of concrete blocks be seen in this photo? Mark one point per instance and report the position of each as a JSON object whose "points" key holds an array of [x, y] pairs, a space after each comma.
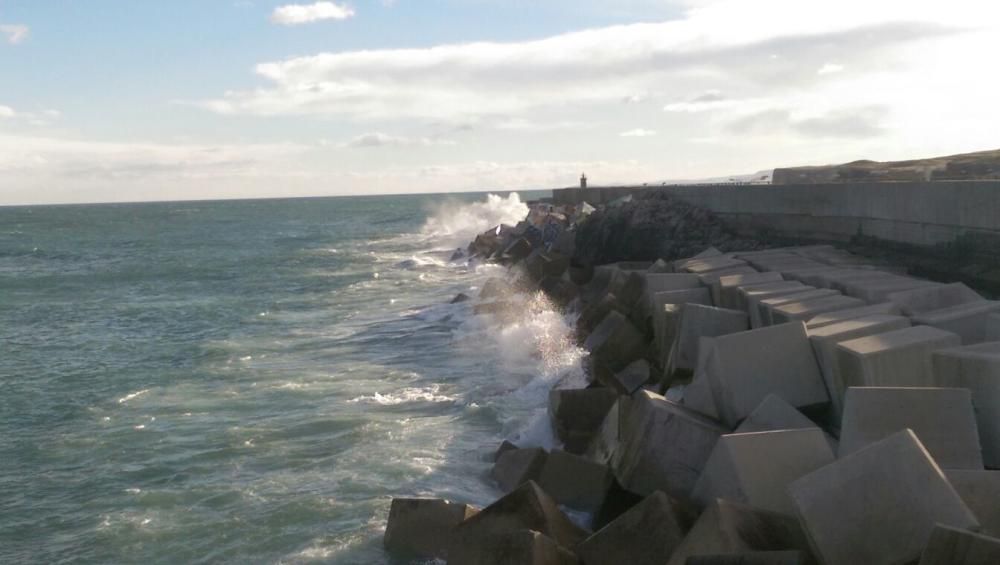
{"points": [[838, 316], [825, 339], [678, 265], [952, 307], [895, 358], [742, 369], [806, 309], [942, 418], [766, 306], [879, 504], [616, 342], [698, 321], [725, 293], [976, 368], [671, 289]]}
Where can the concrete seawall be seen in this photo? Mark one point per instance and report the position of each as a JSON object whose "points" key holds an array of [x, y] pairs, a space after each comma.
{"points": [[922, 214]]}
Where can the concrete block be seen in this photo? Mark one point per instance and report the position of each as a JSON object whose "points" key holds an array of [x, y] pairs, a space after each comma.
{"points": [[750, 558], [896, 358], [766, 306], [806, 309], [698, 394], [952, 546], [756, 468], [641, 460], [976, 368], [726, 291], [616, 341], [980, 490], [712, 278], [527, 508], [595, 312], [421, 528], [824, 343], [698, 321], [879, 504], [665, 333], [577, 414], [575, 481], [660, 316], [631, 378], [704, 266], [878, 289], [850, 314], [728, 527], [968, 321], [992, 328], [660, 266], [519, 547], [928, 299], [765, 290], [706, 254], [942, 418], [515, 467], [774, 414], [744, 368], [645, 535]]}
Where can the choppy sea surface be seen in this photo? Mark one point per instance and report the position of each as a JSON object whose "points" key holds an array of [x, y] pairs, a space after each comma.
{"points": [[253, 381]]}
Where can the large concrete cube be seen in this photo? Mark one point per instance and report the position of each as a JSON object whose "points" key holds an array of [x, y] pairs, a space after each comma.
{"points": [[942, 418], [616, 342], [952, 546], [878, 289], [660, 445], [766, 306], [968, 321], [928, 299], [575, 481], [698, 321], [744, 293], [977, 368], [896, 358], [744, 368], [514, 467], [878, 505], [728, 527], [645, 535], [520, 547], [726, 291], [774, 414], [826, 338], [756, 468], [711, 279], [709, 264], [850, 314], [980, 490], [421, 528], [806, 309], [577, 414], [992, 328]]}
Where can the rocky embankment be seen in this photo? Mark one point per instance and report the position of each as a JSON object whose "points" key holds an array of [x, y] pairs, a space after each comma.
{"points": [[746, 406]]}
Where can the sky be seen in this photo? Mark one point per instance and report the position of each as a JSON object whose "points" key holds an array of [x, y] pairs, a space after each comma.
{"points": [[124, 100]]}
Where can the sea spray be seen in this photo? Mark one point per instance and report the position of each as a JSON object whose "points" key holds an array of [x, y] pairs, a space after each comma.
{"points": [[457, 223]]}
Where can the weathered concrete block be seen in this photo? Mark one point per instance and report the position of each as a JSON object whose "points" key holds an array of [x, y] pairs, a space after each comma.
{"points": [[806, 309], [698, 394], [774, 414], [665, 336], [851, 313], [422, 528], [703, 266], [645, 535], [743, 368], [928, 299], [706, 254], [698, 321], [495, 288], [575, 481], [527, 508], [666, 282], [631, 378], [647, 424], [752, 294], [766, 306], [976, 368], [518, 249], [515, 467], [968, 321], [942, 418], [952, 546], [559, 290], [878, 289], [896, 358], [750, 558], [756, 468], [540, 264], [980, 490], [664, 322], [712, 278], [519, 547], [728, 527], [616, 342], [505, 446], [727, 289], [824, 342], [594, 313], [879, 504], [577, 414]]}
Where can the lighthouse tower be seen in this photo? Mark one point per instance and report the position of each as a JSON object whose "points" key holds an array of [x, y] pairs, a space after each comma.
{"points": [[583, 180]]}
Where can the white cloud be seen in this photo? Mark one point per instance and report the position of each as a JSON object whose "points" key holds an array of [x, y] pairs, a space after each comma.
{"points": [[830, 68], [709, 100], [297, 14], [638, 132], [6, 112], [379, 139], [16, 33], [41, 118]]}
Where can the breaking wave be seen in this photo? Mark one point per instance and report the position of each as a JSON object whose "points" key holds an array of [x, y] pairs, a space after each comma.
{"points": [[459, 223]]}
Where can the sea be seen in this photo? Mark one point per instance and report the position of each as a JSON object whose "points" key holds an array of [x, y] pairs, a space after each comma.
{"points": [[254, 381]]}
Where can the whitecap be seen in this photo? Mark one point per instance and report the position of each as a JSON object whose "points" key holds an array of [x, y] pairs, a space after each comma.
{"points": [[131, 396]]}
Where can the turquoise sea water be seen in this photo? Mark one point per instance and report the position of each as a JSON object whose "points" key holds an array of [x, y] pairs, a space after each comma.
{"points": [[252, 381]]}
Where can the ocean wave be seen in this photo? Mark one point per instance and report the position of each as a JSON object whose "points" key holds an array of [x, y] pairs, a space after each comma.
{"points": [[407, 395], [459, 223]]}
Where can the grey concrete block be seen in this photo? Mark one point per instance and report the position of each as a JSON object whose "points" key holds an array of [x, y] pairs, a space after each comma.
{"points": [[711, 279], [896, 358], [704, 266], [766, 306], [952, 546], [728, 527], [969, 321], [744, 368], [824, 342], [878, 289], [520, 547], [806, 309], [928, 299], [666, 334], [527, 508], [774, 414], [980, 490], [750, 558], [698, 394], [631, 378], [707, 253], [878, 505], [726, 290], [698, 321], [992, 328], [942, 418], [575, 481], [422, 528], [645, 535], [616, 341], [515, 467], [577, 414], [851, 313], [767, 289], [976, 368], [756, 468]]}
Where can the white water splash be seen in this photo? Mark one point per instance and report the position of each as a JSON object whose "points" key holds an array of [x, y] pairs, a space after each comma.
{"points": [[428, 394], [459, 223]]}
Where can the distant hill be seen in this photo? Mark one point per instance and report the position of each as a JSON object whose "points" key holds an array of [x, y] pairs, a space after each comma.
{"points": [[982, 165]]}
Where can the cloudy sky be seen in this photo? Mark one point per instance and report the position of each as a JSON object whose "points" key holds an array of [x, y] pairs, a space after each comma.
{"points": [[122, 100]]}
